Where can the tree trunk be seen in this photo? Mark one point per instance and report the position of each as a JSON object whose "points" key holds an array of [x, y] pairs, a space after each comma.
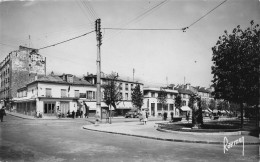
{"points": [[257, 116], [110, 121], [242, 115]]}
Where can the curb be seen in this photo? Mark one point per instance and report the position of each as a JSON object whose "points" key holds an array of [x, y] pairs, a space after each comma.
{"points": [[201, 133], [167, 139], [20, 116]]}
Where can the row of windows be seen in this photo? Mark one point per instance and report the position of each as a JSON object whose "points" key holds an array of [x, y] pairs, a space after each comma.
{"points": [[126, 86], [5, 72], [64, 93], [165, 107], [127, 97], [153, 95]]}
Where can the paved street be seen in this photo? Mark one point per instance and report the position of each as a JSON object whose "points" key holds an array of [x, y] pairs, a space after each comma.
{"points": [[65, 140]]}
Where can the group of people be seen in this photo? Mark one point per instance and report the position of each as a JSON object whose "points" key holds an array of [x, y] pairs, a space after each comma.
{"points": [[77, 114]]}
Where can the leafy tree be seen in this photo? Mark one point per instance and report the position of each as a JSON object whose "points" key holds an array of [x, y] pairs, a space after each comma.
{"points": [[212, 104], [178, 101], [204, 104], [223, 105], [195, 105], [112, 95], [137, 97], [162, 97], [236, 59]]}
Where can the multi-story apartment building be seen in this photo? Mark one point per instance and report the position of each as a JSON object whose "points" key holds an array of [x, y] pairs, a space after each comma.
{"points": [[126, 88], [18, 69], [155, 107], [47, 94]]}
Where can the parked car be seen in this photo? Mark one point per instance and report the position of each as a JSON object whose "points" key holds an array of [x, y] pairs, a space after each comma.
{"points": [[131, 114]]}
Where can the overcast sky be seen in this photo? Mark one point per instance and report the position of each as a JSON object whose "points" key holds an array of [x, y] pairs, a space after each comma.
{"points": [[158, 57]]}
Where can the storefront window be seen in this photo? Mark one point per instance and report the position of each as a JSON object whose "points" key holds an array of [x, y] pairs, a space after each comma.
{"points": [[49, 108]]}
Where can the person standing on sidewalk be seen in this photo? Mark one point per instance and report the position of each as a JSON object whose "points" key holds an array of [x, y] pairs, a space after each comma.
{"points": [[2, 113], [107, 117], [73, 114], [144, 117]]}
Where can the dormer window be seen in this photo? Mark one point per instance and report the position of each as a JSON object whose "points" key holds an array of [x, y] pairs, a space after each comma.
{"points": [[70, 79]]}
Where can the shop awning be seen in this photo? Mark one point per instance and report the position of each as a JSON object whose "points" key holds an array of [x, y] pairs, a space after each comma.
{"points": [[185, 108], [124, 105], [121, 105], [93, 105]]}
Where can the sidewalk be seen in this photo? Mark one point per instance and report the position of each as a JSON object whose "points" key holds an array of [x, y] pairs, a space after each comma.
{"points": [[150, 131], [23, 116]]}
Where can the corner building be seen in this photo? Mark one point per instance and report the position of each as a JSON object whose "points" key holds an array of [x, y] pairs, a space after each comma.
{"points": [[18, 69]]}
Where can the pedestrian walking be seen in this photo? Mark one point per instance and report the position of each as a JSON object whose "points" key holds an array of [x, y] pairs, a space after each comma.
{"points": [[81, 114], [165, 116], [86, 115], [73, 114], [144, 117], [107, 117], [146, 114], [2, 113], [172, 116], [187, 116], [68, 114]]}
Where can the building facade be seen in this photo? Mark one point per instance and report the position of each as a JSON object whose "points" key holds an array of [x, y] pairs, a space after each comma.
{"points": [[51, 93], [154, 107], [18, 69], [126, 88]]}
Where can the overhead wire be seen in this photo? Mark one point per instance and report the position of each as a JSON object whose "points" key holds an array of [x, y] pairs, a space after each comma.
{"points": [[183, 29], [89, 9], [207, 13], [92, 9], [82, 9], [92, 17], [140, 16], [66, 40], [140, 29]]}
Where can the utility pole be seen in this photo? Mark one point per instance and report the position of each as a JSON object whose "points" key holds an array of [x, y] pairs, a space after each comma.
{"points": [[99, 37], [133, 74]]}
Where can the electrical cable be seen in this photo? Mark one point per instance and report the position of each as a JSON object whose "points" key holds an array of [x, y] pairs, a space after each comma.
{"points": [[138, 29], [207, 13], [66, 40], [92, 9], [82, 9], [183, 29], [141, 15]]}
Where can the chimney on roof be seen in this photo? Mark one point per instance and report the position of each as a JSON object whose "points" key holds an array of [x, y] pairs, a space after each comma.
{"points": [[187, 86]]}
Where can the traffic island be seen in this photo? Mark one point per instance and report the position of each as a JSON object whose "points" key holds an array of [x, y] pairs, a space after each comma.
{"points": [[211, 128]]}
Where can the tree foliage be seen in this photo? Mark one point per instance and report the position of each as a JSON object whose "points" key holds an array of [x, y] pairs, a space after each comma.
{"points": [[236, 59], [204, 104], [195, 105], [212, 104], [111, 88], [162, 97], [223, 105], [137, 97], [178, 101]]}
